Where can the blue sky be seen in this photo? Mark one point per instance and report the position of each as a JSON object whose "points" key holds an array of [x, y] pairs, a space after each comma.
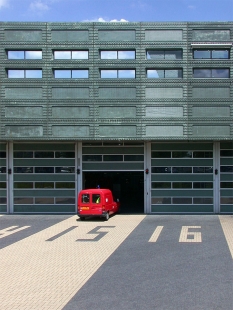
{"points": [[115, 10]]}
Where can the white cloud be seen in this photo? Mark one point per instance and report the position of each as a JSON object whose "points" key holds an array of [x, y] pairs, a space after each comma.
{"points": [[4, 3], [102, 20], [119, 21], [38, 6]]}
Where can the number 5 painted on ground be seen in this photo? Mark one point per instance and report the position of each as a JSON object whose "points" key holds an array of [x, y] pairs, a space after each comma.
{"points": [[100, 234]]}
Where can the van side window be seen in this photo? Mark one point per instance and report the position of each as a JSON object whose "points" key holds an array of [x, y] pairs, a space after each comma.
{"points": [[85, 198], [96, 198]]}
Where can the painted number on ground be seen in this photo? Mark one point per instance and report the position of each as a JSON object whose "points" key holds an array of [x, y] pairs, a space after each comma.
{"points": [[190, 234], [96, 231], [11, 230], [187, 234]]}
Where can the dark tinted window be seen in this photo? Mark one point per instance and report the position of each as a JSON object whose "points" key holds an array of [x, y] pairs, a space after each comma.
{"points": [[211, 54], [211, 73]]}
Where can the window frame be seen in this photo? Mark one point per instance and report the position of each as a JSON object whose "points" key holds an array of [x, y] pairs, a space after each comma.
{"points": [[24, 54], [117, 73], [117, 54], [179, 72], [71, 54], [211, 71], [71, 71], [164, 54], [24, 71], [210, 50]]}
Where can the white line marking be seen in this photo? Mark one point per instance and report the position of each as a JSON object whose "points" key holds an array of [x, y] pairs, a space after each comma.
{"points": [[156, 234], [11, 230]]}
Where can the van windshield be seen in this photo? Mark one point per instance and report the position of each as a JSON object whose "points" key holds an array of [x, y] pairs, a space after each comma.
{"points": [[85, 198], [96, 198]]}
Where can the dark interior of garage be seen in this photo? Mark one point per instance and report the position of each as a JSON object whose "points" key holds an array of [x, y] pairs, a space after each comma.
{"points": [[127, 186]]}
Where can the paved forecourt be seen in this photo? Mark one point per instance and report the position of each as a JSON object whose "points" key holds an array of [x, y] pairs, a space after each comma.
{"points": [[129, 262], [45, 269]]}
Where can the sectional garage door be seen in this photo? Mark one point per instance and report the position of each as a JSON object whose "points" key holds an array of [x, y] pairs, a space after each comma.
{"points": [[44, 177], [3, 178], [226, 177], [182, 177]]}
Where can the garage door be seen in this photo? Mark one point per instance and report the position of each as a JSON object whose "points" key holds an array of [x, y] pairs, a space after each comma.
{"points": [[226, 177], [3, 178], [182, 177]]}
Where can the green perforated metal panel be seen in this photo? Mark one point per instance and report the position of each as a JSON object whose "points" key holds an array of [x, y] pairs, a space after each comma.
{"points": [[145, 108]]}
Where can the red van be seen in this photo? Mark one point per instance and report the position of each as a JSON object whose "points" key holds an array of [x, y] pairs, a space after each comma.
{"points": [[96, 202]]}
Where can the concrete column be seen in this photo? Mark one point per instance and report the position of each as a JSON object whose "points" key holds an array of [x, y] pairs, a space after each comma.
{"points": [[79, 173], [216, 176], [147, 177], [10, 178]]}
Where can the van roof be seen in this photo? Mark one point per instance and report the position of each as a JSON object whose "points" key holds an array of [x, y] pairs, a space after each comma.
{"points": [[95, 190]]}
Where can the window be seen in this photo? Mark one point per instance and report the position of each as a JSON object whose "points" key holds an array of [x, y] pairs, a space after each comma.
{"points": [[181, 169], [120, 74], [211, 73], [2, 169], [113, 157], [226, 168], [23, 169], [24, 54], [44, 169], [21, 74], [211, 54], [182, 154], [161, 185], [164, 54], [117, 54], [181, 185], [71, 74], [164, 73], [85, 198], [64, 169], [70, 54], [2, 154], [44, 154], [226, 153], [96, 198]]}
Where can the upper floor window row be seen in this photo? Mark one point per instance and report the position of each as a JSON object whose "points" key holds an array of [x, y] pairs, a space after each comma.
{"points": [[211, 54], [164, 54], [124, 54], [120, 73], [117, 54], [24, 54]]}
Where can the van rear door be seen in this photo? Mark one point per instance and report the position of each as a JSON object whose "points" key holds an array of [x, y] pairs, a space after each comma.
{"points": [[96, 203]]}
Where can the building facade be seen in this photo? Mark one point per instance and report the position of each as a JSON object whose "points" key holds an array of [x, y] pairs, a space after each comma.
{"points": [[144, 109]]}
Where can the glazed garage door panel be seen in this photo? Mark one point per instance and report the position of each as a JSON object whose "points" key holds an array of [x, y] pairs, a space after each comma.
{"points": [[182, 177], [226, 177], [3, 178], [44, 178]]}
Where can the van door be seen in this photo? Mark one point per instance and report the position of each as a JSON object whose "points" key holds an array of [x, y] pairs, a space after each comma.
{"points": [[96, 203]]}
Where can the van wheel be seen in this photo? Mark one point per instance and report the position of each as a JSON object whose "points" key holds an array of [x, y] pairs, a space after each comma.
{"points": [[107, 216], [82, 218]]}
